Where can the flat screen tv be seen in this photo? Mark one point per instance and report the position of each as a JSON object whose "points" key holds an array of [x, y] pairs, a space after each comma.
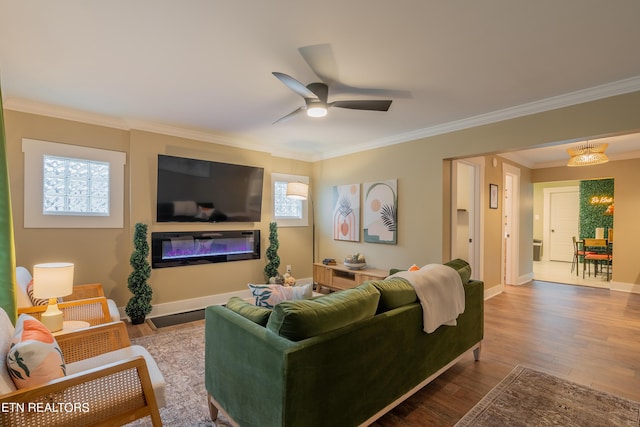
{"points": [[191, 190]]}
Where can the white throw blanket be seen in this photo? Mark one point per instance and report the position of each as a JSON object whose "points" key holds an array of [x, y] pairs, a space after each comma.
{"points": [[440, 291]]}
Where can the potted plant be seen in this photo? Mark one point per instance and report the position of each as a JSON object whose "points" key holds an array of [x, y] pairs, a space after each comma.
{"points": [[271, 269], [139, 304]]}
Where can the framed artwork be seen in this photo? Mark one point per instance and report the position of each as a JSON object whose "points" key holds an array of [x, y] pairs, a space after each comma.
{"points": [[380, 211], [493, 196], [346, 212]]}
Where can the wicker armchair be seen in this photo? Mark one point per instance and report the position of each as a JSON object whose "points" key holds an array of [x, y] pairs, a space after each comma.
{"points": [[87, 302], [109, 388]]}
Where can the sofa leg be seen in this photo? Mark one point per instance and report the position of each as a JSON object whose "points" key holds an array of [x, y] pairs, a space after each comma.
{"points": [[476, 353], [213, 410]]}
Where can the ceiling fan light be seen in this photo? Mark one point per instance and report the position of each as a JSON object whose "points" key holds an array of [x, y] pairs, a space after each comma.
{"points": [[317, 111]]}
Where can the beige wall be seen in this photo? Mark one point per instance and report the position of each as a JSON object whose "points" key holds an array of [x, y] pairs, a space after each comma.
{"points": [[102, 255], [419, 166]]}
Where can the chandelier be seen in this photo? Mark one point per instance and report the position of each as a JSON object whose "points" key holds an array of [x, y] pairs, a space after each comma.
{"points": [[587, 154]]}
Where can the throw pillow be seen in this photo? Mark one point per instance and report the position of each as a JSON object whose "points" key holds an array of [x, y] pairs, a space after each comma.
{"points": [[414, 268], [35, 301], [269, 295], [34, 357], [259, 315]]}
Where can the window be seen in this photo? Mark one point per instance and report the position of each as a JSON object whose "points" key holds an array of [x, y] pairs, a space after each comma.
{"points": [[288, 212], [75, 187], [70, 186]]}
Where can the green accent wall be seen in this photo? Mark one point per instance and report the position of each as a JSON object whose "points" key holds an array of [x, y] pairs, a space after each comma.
{"points": [[595, 197]]}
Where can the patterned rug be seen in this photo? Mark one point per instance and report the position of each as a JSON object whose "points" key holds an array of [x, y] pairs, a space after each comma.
{"points": [[527, 397], [180, 357]]}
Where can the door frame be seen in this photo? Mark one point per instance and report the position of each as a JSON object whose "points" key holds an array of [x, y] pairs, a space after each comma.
{"points": [[510, 255]]}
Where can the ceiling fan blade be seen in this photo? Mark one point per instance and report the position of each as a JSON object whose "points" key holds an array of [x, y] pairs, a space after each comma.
{"points": [[376, 105], [322, 62], [291, 114], [295, 85]]}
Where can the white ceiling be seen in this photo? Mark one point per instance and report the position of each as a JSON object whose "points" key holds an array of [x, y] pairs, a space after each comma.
{"points": [[203, 67]]}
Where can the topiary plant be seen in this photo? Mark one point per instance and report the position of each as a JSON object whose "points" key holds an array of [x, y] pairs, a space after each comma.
{"points": [[271, 269], [139, 304]]}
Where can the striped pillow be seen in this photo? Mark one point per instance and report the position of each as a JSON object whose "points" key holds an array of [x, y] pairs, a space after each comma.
{"points": [[37, 301]]}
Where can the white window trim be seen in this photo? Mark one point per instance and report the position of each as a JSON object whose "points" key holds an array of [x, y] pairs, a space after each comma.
{"points": [[288, 222], [34, 152]]}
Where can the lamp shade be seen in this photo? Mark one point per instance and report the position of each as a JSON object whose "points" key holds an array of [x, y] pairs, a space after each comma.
{"points": [[52, 280], [297, 190]]}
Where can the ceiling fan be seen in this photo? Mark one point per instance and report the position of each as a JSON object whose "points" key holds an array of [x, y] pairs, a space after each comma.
{"points": [[315, 95]]}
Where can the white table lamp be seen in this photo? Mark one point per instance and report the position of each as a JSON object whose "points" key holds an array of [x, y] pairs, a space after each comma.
{"points": [[50, 281]]}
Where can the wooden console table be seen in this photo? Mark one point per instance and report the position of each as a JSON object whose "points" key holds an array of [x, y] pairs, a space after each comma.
{"points": [[339, 277]]}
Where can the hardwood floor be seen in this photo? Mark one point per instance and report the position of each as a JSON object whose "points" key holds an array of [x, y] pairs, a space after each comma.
{"points": [[588, 335]]}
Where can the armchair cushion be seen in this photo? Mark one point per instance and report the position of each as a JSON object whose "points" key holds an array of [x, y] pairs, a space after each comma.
{"points": [[34, 357], [157, 380]]}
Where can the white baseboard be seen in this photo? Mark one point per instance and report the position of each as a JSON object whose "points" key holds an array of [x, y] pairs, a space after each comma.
{"points": [[183, 306], [493, 291], [625, 287]]}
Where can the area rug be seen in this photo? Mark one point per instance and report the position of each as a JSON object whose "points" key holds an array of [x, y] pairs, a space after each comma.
{"points": [[180, 357], [527, 397]]}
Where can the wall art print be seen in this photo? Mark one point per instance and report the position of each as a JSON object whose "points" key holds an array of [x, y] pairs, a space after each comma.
{"points": [[346, 212], [380, 212]]}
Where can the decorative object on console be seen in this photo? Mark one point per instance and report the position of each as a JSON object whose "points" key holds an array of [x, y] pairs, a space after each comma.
{"points": [[346, 212], [52, 280], [273, 260], [381, 212], [355, 261], [139, 304]]}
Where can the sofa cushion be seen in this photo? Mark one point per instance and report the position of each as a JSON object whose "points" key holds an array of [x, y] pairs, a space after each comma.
{"points": [[394, 293], [269, 295], [34, 357], [259, 315], [297, 320], [462, 267]]}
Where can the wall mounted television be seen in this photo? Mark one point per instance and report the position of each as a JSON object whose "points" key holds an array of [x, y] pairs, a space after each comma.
{"points": [[191, 190]]}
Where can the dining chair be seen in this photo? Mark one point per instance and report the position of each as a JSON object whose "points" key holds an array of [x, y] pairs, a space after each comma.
{"points": [[601, 255], [578, 252]]}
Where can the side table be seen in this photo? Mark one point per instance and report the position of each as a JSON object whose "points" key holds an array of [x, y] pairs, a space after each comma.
{"points": [[71, 325]]}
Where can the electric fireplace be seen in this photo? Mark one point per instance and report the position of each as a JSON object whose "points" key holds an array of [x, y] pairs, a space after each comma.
{"points": [[195, 248]]}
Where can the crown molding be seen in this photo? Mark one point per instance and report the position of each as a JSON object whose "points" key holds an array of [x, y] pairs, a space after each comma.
{"points": [[607, 90], [573, 98]]}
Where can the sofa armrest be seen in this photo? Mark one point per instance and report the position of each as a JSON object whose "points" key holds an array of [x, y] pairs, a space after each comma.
{"points": [[112, 394], [93, 341]]}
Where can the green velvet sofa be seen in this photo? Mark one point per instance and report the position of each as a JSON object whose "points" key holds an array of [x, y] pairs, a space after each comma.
{"points": [[343, 359]]}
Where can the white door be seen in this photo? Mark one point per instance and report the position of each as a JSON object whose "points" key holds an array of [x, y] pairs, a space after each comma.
{"points": [[466, 213], [564, 208], [511, 224]]}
